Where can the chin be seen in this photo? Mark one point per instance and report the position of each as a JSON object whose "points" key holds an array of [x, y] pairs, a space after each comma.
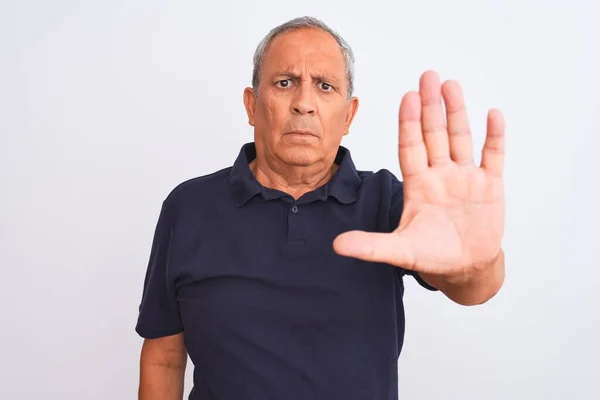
{"points": [[299, 156]]}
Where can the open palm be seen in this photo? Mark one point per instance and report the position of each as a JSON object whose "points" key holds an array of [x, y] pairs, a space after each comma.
{"points": [[453, 216]]}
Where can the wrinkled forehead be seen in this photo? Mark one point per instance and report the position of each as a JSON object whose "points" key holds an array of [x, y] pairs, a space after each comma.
{"points": [[305, 51]]}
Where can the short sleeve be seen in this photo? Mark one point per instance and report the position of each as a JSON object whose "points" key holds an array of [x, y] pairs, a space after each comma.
{"points": [[159, 311], [395, 213]]}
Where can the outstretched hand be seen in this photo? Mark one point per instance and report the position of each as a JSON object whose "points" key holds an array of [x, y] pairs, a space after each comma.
{"points": [[453, 216]]}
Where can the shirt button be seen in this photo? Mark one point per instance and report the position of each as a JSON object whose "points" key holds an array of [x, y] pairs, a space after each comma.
{"points": [[295, 209]]}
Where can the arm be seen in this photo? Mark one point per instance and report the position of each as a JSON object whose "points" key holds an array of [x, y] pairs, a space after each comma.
{"points": [[162, 368], [452, 221], [474, 287]]}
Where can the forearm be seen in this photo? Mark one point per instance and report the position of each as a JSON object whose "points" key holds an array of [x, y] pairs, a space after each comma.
{"points": [[162, 369], [159, 382], [474, 288]]}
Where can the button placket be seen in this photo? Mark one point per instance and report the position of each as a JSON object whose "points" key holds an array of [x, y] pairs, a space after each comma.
{"points": [[295, 238]]}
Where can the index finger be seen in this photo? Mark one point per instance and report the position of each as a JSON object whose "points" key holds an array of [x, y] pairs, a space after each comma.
{"points": [[411, 148]]}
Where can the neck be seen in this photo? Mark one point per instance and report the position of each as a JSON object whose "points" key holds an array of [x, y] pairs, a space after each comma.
{"points": [[293, 180]]}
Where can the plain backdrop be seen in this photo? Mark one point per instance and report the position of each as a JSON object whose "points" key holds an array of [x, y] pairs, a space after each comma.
{"points": [[105, 106]]}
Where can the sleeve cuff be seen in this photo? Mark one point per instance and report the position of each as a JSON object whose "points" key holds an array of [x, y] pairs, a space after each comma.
{"points": [[147, 333], [422, 282]]}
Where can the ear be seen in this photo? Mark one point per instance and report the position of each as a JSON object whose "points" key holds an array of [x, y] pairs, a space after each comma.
{"points": [[350, 113], [250, 104]]}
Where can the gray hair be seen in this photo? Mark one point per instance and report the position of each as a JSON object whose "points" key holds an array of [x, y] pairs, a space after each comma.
{"points": [[299, 23]]}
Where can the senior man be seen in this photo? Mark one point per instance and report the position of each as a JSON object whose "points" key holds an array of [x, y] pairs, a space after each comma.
{"points": [[282, 275]]}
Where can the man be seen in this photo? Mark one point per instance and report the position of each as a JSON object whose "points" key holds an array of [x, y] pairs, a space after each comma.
{"points": [[282, 276]]}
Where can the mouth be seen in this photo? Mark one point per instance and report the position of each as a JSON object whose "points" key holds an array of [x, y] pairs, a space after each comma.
{"points": [[301, 133]]}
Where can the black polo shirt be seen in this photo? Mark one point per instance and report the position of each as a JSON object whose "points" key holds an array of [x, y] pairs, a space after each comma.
{"points": [[267, 308]]}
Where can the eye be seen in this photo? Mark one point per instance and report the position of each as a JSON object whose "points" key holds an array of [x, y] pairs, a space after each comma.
{"points": [[326, 86], [285, 83]]}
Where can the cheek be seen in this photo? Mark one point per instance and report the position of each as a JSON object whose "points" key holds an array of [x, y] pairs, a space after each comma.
{"points": [[272, 113], [334, 119]]}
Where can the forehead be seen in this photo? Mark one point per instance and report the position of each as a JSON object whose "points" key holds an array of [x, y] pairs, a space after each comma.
{"points": [[302, 48]]}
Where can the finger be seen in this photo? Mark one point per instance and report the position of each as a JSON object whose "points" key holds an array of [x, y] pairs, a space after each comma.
{"points": [[390, 248], [492, 159], [459, 133], [435, 134], [411, 148]]}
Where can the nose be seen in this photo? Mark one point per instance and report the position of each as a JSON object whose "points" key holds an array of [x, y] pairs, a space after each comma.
{"points": [[303, 103], [302, 108]]}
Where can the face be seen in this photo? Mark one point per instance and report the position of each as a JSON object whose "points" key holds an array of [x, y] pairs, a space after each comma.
{"points": [[301, 110]]}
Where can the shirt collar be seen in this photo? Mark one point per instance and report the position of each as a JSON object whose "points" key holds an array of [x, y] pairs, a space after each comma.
{"points": [[342, 186]]}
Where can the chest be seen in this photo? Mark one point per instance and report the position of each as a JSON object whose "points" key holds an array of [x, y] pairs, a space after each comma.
{"points": [[269, 255]]}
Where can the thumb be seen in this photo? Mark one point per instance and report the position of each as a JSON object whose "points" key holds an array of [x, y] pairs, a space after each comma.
{"points": [[389, 248]]}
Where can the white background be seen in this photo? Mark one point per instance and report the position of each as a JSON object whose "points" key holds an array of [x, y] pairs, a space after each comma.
{"points": [[106, 106]]}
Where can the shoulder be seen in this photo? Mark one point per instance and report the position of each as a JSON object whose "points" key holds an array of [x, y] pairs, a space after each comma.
{"points": [[383, 180], [198, 190], [382, 175]]}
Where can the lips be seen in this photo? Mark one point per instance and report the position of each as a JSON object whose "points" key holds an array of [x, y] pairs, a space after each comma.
{"points": [[303, 133]]}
